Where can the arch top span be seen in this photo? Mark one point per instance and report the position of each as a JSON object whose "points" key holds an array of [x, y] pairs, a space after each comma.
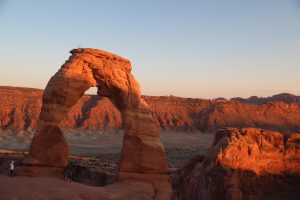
{"points": [[109, 57], [86, 68], [142, 150]]}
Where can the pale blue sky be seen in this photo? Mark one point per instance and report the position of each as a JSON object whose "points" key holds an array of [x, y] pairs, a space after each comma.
{"points": [[185, 48]]}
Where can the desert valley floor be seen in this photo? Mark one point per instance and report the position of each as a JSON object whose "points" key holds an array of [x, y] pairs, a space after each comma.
{"points": [[107, 145]]}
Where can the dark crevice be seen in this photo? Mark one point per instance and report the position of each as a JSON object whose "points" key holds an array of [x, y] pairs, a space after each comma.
{"points": [[86, 109], [27, 119], [11, 115]]}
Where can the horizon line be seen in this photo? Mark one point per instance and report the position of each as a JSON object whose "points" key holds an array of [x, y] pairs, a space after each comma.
{"points": [[170, 95]]}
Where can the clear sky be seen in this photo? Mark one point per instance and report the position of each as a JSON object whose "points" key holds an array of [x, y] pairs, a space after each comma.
{"points": [[184, 48]]}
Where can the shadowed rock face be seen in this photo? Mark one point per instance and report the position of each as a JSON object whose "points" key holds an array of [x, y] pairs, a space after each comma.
{"points": [[142, 150], [243, 163]]}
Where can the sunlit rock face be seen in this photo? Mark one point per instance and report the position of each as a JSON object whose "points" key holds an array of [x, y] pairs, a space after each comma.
{"points": [[142, 150], [243, 163]]}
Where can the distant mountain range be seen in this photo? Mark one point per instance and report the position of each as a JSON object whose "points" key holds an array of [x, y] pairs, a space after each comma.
{"points": [[283, 97], [20, 108]]}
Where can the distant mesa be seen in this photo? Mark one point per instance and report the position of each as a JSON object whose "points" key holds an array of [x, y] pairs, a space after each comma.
{"points": [[283, 97], [20, 109]]}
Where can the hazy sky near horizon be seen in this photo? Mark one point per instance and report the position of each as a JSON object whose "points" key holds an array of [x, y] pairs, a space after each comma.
{"points": [[184, 48]]}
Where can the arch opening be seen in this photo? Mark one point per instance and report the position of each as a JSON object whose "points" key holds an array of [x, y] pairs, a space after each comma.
{"points": [[142, 151]]}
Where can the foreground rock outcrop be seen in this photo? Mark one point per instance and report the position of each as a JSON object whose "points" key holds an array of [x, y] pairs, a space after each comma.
{"points": [[20, 109], [48, 188], [243, 163]]}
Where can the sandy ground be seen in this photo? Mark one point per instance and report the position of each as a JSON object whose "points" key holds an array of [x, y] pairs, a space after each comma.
{"points": [[107, 145], [45, 188]]}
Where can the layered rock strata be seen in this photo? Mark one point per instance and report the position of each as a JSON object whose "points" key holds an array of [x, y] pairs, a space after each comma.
{"points": [[243, 163], [20, 109]]}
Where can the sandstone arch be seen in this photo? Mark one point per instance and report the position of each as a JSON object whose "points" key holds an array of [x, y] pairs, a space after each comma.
{"points": [[142, 152]]}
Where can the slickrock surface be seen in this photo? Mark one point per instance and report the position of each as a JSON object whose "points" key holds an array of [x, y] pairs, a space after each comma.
{"points": [[46, 188], [87, 173], [243, 163], [20, 108]]}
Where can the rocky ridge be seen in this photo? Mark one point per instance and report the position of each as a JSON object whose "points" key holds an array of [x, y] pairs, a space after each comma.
{"points": [[284, 97], [20, 108], [243, 163]]}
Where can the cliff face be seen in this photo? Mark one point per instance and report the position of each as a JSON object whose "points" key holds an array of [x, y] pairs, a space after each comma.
{"points": [[20, 108], [243, 163], [185, 114]]}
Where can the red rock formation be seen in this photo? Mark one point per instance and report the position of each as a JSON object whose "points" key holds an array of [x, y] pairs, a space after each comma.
{"points": [[142, 156], [243, 163], [186, 114], [20, 107]]}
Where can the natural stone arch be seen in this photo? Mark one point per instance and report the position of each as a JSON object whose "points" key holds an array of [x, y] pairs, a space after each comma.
{"points": [[142, 152]]}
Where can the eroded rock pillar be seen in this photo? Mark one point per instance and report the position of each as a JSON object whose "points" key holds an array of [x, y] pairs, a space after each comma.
{"points": [[142, 150], [49, 150]]}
